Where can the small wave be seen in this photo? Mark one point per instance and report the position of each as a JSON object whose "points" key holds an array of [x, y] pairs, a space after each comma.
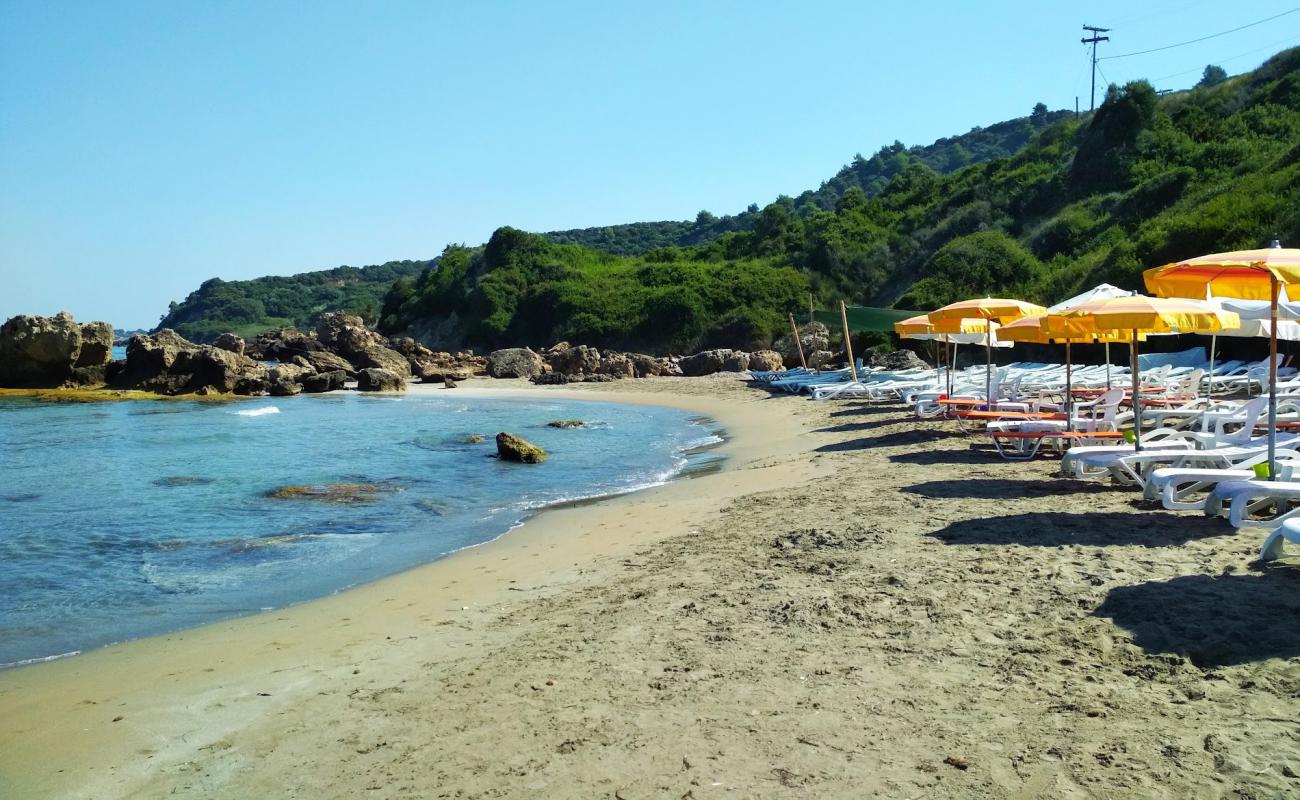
{"points": [[256, 412], [41, 660]]}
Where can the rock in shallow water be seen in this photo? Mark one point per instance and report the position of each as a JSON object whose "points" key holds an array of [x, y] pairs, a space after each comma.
{"points": [[514, 448]]}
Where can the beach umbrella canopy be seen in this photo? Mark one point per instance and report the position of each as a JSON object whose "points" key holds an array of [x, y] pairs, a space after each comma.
{"points": [[1244, 274], [992, 310], [1139, 315]]}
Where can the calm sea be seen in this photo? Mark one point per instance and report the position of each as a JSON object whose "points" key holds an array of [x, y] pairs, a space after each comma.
{"points": [[119, 520]]}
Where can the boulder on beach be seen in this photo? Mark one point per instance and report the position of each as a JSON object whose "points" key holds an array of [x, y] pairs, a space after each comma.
{"points": [[46, 352], [711, 361], [514, 362], [898, 360], [325, 381], [820, 359], [814, 336], [616, 365], [380, 380], [514, 448], [766, 361], [293, 372], [571, 361]]}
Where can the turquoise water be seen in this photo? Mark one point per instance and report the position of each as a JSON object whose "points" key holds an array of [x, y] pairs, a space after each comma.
{"points": [[119, 520], [119, 352]]}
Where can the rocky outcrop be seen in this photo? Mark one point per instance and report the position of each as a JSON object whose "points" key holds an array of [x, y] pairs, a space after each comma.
{"points": [[96, 345], [374, 379], [167, 363], [711, 361], [45, 352], [571, 361], [348, 336], [616, 365], [898, 360], [231, 342], [325, 381], [514, 448], [324, 361], [820, 359], [283, 344], [766, 361], [814, 336], [514, 362], [285, 388], [292, 372]]}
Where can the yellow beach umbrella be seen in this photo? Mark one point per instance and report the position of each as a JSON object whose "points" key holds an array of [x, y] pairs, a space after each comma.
{"points": [[1244, 274], [992, 310], [1137, 315]]}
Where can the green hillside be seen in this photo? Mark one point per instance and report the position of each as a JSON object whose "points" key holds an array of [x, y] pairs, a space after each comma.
{"points": [[870, 175], [521, 289], [249, 307]]}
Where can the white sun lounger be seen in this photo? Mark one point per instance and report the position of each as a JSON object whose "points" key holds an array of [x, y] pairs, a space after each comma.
{"points": [[1172, 485], [1237, 500], [1288, 531]]}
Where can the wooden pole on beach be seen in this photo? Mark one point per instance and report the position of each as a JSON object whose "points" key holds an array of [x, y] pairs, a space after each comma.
{"points": [[848, 345], [797, 342]]}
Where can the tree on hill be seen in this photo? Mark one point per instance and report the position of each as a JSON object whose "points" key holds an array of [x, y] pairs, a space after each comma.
{"points": [[1213, 76]]}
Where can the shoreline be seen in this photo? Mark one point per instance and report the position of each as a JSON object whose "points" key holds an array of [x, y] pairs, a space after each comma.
{"points": [[552, 548]]}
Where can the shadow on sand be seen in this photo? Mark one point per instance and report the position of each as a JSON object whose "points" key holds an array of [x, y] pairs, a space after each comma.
{"points": [[1004, 488], [865, 409], [896, 439], [1213, 620], [1097, 529], [970, 455], [866, 425]]}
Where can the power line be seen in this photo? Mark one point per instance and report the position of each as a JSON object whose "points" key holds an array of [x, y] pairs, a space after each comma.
{"points": [[1203, 38], [1287, 40]]}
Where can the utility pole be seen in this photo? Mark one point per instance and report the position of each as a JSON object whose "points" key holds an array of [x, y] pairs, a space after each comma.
{"points": [[1093, 40]]}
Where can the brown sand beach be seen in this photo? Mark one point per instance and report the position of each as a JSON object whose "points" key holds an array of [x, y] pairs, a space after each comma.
{"points": [[858, 605]]}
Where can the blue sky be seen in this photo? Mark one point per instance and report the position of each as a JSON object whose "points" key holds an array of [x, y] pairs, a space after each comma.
{"points": [[148, 146]]}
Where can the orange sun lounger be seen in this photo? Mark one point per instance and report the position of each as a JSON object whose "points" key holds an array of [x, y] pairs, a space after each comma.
{"points": [[1024, 445]]}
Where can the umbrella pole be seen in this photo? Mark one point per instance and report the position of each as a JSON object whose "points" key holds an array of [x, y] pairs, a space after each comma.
{"points": [[803, 362], [1272, 378], [1069, 394], [953, 368], [1209, 384], [1108, 366], [1137, 401], [989, 399]]}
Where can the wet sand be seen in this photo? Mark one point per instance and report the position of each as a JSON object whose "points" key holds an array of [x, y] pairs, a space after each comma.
{"points": [[859, 605]]}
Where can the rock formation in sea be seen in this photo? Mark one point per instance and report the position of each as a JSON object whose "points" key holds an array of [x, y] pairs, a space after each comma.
{"points": [[43, 352], [167, 363], [515, 448]]}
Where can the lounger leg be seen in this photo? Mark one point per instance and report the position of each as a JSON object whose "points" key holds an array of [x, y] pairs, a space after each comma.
{"points": [[1273, 545]]}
